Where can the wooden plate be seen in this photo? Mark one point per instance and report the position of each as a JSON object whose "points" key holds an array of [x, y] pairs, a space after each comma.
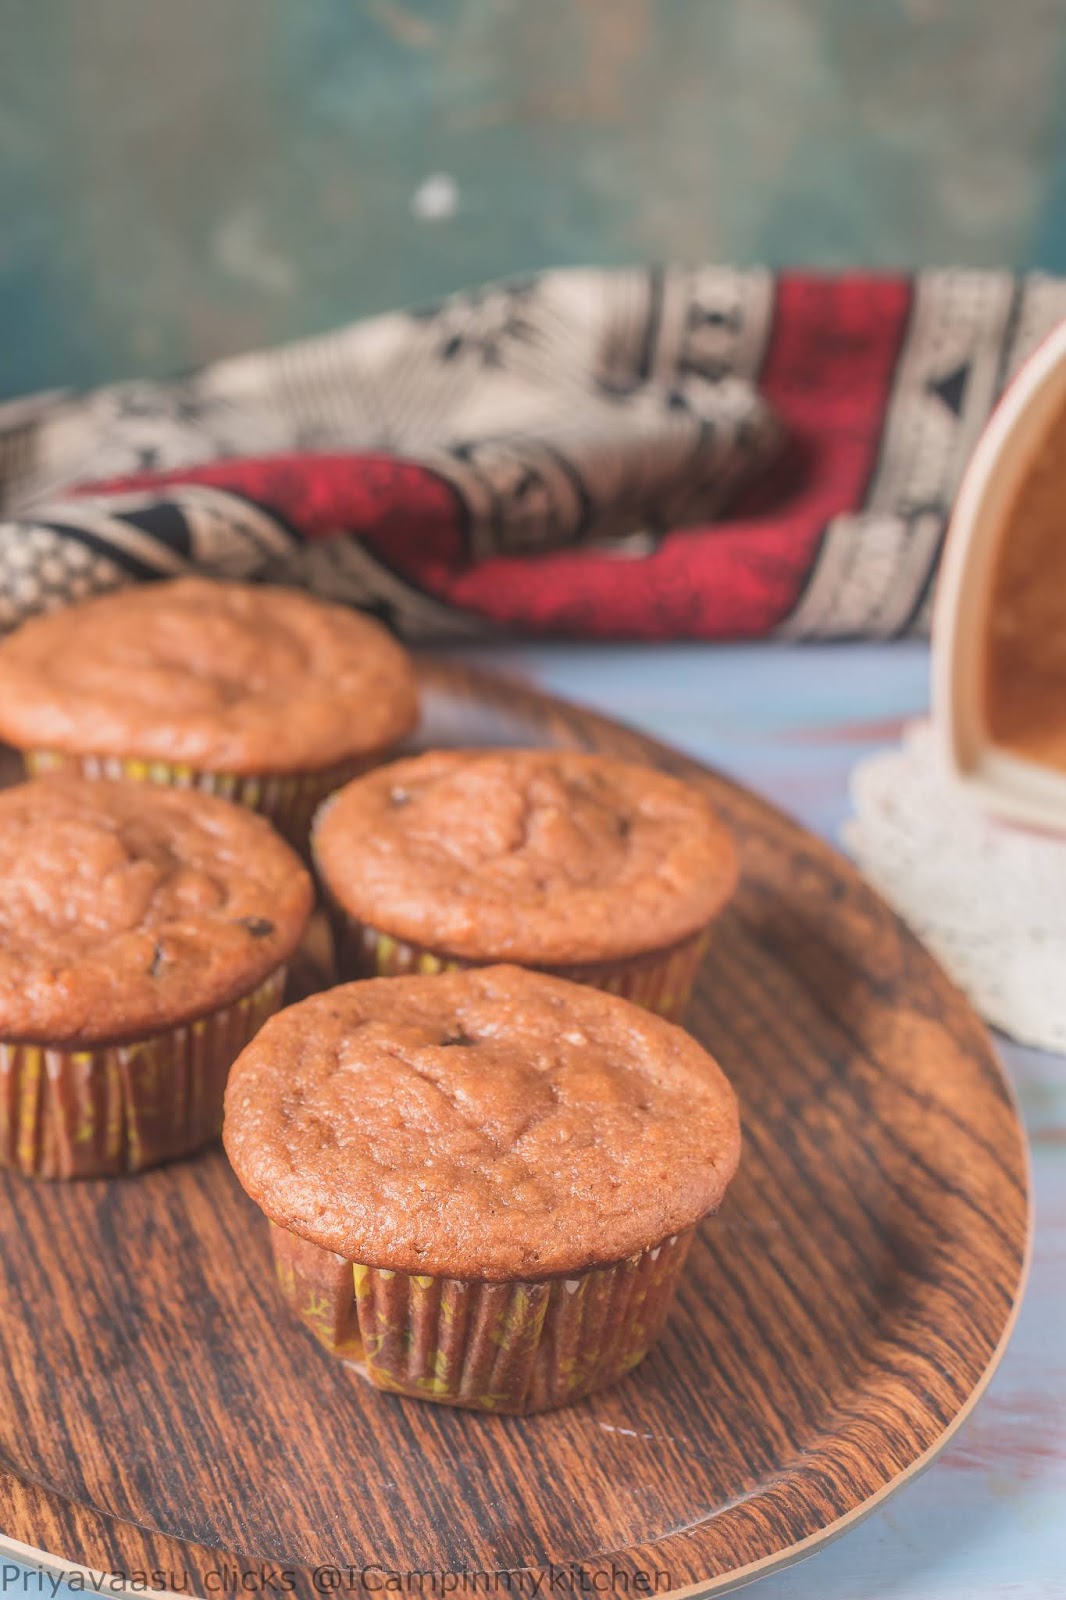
{"points": [[160, 1411]]}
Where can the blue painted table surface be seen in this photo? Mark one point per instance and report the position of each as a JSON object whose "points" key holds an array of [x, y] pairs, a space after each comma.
{"points": [[986, 1519]]}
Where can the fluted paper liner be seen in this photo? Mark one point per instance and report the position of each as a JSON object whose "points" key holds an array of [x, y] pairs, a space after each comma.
{"points": [[116, 1108], [288, 799], [659, 980], [507, 1347]]}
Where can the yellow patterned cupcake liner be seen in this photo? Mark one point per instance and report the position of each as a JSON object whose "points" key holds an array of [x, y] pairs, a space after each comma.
{"points": [[287, 799], [117, 1108], [507, 1347], [659, 980]]}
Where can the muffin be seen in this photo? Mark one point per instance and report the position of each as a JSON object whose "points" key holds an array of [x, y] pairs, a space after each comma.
{"points": [[262, 695], [143, 940], [483, 1184], [598, 870]]}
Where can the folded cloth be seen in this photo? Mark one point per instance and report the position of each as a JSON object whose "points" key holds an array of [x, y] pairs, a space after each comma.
{"points": [[702, 453]]}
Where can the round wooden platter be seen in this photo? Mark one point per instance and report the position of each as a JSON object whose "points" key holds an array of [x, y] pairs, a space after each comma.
{"points": [[161, 1411]]}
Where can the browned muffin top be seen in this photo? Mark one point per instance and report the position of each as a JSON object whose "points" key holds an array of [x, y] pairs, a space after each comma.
{"points": [[229, 677], [543, 856], [126, 907], [492, 1123]]}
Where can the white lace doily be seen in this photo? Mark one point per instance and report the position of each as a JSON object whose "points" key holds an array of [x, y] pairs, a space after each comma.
{"points": [[989, 900]]}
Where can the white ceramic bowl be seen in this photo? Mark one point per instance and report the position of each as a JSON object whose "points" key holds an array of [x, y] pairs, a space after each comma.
{"points": [[1016, 789]]}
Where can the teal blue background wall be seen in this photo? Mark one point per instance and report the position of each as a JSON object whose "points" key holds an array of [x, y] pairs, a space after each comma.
{"points": [[180, 179]]}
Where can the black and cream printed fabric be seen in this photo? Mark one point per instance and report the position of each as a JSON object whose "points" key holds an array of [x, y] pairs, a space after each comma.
{"points": [[575, 411]]}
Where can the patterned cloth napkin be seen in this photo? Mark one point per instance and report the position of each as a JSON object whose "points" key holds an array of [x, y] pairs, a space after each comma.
{"points": [[656, 454]]}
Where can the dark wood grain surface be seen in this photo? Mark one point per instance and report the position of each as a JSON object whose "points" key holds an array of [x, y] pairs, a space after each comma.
{"points": [[162, 1410]]}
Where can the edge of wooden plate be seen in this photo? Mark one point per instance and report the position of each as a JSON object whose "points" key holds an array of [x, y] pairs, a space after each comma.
{"points": [[789, 1557]]}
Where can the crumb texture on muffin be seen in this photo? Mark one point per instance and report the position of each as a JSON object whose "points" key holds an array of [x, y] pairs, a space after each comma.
{"points": [[540, 856], [125, 908], [490, 1124], [231, 677]]}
